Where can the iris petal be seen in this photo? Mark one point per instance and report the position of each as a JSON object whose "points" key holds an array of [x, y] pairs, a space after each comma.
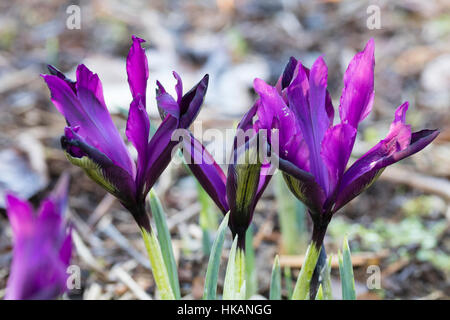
{"points": [[398, 144], [137, 69], [137, 131], [357, 94], [206, 170], [99, 167]]}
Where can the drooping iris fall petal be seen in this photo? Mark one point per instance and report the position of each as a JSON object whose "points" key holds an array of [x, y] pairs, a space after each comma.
{"points": [[398, 144], [86, 110], [206, 170]]}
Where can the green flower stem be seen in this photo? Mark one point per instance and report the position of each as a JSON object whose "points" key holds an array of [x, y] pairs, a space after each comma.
{"points": [[158, 266], [301, 290], [240, 268]]}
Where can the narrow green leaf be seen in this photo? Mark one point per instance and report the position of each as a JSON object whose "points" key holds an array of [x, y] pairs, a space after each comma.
{"points": [[158, 266], [241, 294], [208, 219], [165, 242], [206, 242], [240, 274], [346, 273], [301, 290], [319, 295], [208, 213], [234, 285], [326, 280], [250, 268], [212, 272], [229, 289], [275, 282], [288, 281]]}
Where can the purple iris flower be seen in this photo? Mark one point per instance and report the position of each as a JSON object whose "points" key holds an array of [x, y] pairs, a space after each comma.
{"points": [[314, 153], [247, 178], [42, 247], [92, 141]]}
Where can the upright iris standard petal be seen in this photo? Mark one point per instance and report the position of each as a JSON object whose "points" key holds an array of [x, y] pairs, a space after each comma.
{"points": [[41, 247], [137, 69], [288, 74], [162, 144], [273, 110], [336, 149], [357, 94], [192, 101], [138, 131], [178, 87], [307, 99], [166, 103]]}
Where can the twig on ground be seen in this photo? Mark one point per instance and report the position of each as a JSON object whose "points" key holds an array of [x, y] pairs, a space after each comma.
{"points": [[120, 273], [102, 208], [105, 226], [430, 184], [184, 215]]}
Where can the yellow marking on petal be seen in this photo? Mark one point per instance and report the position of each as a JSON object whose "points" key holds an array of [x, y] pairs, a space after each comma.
{"points": [[94, 171]]}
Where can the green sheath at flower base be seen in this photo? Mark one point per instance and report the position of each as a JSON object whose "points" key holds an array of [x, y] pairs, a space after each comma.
{"points": [[234, 284], [158, 266], [301, 291], [275, 282], [165, 242], [240, 272]]}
